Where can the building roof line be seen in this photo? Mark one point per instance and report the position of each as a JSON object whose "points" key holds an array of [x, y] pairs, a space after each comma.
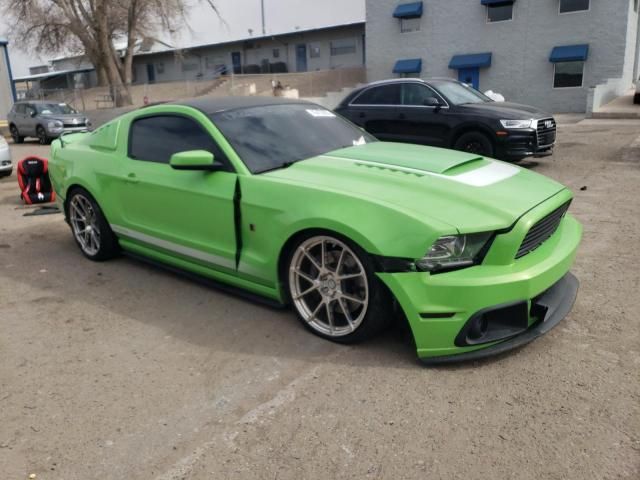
{"points": [[55, 73], [251, 39]]}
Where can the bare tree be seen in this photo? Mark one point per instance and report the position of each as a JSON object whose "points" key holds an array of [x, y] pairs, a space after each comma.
{"points": [[92, 28]]}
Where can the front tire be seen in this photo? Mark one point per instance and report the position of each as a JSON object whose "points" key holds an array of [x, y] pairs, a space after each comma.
{"points": [[475, 142], [334, 289], [90, 229], [41, 133], [15, 135]]}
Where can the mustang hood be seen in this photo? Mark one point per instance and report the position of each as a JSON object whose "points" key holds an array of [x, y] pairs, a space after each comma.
{"points": [[468, 192]]}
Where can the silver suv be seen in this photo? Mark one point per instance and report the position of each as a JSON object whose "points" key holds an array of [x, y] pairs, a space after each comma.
{"points": [[44, 120]]}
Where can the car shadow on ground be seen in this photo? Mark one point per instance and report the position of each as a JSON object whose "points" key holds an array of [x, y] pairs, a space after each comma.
{"points": [[528, 164], [184, 308]]}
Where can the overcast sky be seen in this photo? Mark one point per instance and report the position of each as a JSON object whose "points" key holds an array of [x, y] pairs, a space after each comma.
{"points": [[238, 16]]}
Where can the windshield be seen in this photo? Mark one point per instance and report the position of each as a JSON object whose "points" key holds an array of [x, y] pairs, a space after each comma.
{"points": [[276, 136], [459, 93], [54, 109]]}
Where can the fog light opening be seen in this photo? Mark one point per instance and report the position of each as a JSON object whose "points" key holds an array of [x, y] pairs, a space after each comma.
{"points": [[478, 328]]}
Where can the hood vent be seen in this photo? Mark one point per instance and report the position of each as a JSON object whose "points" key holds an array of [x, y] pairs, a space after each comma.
{"points": [[404, 170]]}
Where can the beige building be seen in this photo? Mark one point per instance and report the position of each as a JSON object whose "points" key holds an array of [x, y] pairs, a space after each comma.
{"points": [[327, 48], [7, 93]]}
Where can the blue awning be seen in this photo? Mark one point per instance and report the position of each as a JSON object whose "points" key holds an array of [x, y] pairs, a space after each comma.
{"points": [[479, 60], [411, 65], [408, 10], [569, 53], [496, 2]]}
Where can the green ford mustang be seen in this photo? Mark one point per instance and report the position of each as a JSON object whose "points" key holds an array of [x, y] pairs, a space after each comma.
{"points": [[285, 200]]}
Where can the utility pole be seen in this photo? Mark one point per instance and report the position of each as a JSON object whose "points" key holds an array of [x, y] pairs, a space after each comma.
{"points": [[264, 31]]}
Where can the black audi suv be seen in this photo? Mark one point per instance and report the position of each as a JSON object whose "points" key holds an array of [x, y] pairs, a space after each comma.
{"points": [[450, 114]]}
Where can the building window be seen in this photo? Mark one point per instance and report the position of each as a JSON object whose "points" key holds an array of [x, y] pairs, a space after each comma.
{"points": [[345, 46], [568, 74], [500, 12], [569, 6], [210, 62], [635, 5], [160, 68], [314, 51], [409, 25], [276, 53], [189, 66]]}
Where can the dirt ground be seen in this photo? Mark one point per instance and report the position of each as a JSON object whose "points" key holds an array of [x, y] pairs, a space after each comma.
{"points": [[120, 370]]}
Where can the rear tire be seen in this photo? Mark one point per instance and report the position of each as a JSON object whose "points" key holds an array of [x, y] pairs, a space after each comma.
{"points": [[15, 134], [474, 142], [332, 285], [90, 228]]}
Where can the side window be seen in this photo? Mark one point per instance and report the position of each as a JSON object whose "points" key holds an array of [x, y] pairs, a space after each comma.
{"points": [[20, 108], [416, 94], [383, 95], [157, 138]]}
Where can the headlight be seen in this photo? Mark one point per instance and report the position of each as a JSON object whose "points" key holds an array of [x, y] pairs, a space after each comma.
{"points": [[516, 123], [454, 251], [55, 125], [87, 122]]}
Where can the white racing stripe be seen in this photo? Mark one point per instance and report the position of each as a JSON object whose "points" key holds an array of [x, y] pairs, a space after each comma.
{"points": [[173, 247], [489, 174]]}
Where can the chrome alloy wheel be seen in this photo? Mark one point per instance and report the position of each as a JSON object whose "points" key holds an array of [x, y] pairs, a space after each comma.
{"points": [[84, 223], [328, 286]]}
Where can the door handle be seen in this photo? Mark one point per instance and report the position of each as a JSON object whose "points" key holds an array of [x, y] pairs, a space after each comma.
{"points": [[362, 115], [131, 178], [402, 116]]}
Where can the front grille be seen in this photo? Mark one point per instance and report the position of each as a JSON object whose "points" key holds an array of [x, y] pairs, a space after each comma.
{"points": [[6, 162], [546, 132], [542, 230], [74, 125]]}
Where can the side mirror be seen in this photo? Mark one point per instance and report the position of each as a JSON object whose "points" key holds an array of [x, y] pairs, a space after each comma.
{"points": [[431, 102], [32, 113], [193, 160]]}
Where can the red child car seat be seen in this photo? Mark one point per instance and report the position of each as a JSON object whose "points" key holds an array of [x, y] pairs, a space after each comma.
{"points": [[33, 178]]}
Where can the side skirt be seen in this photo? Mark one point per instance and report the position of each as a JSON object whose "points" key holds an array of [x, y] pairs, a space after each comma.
{"points": [[224, 282]]}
